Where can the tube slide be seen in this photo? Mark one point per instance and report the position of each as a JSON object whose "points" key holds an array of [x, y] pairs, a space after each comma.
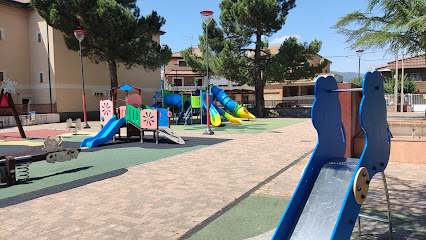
{"points": [[106, 133], [214, 115], [231, 105], [176, 101], [228, 116]]}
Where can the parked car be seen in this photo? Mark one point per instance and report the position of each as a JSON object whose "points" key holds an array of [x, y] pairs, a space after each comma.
{"points": [[248, 105], [287, 104]]}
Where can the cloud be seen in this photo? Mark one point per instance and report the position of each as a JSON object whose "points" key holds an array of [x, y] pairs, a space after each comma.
{"points": [[282, 39]]}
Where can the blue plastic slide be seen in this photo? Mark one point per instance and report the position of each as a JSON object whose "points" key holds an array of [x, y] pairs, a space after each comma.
{"points": [[106, 133]]}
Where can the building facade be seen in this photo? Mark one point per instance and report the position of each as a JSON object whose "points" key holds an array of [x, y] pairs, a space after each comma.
{"points": [[414, 67], [26, 45], [179, 76]]}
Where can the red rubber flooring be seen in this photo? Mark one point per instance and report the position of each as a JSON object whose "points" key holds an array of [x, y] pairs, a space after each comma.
{"points": [[40, 134]]}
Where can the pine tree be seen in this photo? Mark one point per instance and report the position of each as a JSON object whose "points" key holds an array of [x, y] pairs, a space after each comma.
{"points": [[231, 55], [401, 23], [115, 32]]}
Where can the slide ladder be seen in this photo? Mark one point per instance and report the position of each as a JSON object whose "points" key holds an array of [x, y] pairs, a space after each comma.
{"points": [[188, 115], [327, 200]]}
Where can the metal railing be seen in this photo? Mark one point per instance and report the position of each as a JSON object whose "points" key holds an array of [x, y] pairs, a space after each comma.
{"points": [[417, 101], [24, 109], [296, 101]]}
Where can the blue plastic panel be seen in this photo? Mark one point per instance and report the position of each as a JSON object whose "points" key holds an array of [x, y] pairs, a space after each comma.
{"points": [[163, 118], [326, 118], [377, 146]]}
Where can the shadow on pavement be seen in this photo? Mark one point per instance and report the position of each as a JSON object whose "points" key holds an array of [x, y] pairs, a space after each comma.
{"points": [[61, 187]]}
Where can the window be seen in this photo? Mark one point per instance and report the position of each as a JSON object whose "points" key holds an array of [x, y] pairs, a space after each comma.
{"points": [[25, 101], [200, 82], [416, 77], [41, 76], [182, 64], [2, 76], [2, 34], [39, 38], [178, 82]]}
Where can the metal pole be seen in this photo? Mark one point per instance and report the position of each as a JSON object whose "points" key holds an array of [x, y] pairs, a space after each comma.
{"points": [[402, 82], [48, 67], [208, 130], [359, 67], [385, 185], [85, 124], [395, 90]]}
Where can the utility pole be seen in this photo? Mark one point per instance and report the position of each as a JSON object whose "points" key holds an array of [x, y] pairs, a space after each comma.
{"points": [[402, 82], [359, 53], [395, 90]]}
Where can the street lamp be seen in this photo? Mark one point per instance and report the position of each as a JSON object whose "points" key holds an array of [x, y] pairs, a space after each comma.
{"points": [[207, 17], [163, 46], [79, 34], [359, 53]]}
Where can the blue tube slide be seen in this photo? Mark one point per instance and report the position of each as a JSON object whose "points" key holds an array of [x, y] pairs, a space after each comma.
{"points": [[231, 105], [176, 101], [223, 98]]}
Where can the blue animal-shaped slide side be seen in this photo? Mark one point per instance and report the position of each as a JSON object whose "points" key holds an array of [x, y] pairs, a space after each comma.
{"points": [[106, 133], [324, 205]]}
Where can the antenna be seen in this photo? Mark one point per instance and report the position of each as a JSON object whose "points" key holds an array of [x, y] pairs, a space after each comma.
{"points": [[190, 38]]}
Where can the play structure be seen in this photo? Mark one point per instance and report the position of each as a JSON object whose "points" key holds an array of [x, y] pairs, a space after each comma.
{"points": [[135, 117], [14, 170], [6, 102], [186, 105], [327, 200]]}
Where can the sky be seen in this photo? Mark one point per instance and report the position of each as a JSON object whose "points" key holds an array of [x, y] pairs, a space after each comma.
{"points": [[309, 20]]}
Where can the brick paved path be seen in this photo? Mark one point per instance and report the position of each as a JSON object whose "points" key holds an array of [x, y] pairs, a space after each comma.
{"points": [[162, 199]]}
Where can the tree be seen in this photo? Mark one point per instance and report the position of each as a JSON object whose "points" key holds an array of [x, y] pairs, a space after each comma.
{"points": [[292, 62], [243, 20], [357, 81], [232, 56], [409, 84], [401, 24], [115, 32]]}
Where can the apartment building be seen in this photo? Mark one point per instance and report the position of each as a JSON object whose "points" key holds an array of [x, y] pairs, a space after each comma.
{"points": [[26, 46]]}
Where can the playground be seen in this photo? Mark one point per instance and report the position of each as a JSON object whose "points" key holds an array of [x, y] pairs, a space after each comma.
{"points": [[229, 194], [235, 184]]}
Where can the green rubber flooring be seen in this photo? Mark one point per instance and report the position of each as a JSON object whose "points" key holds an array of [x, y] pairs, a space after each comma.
{"points": [[251, 217], [252, 126], [97, 161]]}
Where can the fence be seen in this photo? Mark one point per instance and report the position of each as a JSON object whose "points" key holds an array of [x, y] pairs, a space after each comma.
{"points": [[296, 101], [417, 101], [24, 109]]}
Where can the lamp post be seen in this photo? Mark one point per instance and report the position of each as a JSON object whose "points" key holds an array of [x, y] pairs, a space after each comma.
{"points": [[79, 34], [164, 84], [359, 53], [207, 17]]}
